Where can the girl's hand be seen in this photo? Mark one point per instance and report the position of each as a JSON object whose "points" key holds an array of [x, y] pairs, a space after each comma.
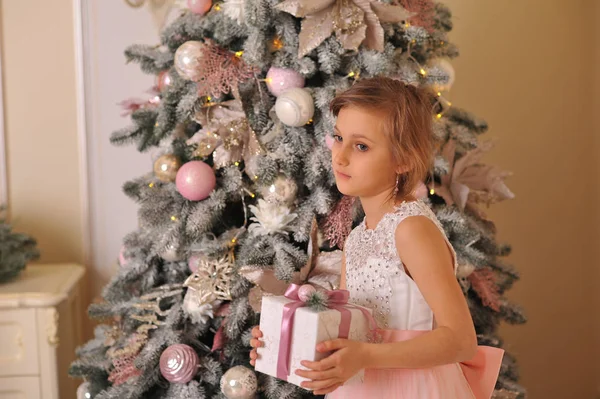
{"points": [[255, 343], [330, 373]]}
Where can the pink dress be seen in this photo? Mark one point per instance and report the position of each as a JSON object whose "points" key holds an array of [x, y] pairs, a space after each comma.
{"points": [[376, 279]]}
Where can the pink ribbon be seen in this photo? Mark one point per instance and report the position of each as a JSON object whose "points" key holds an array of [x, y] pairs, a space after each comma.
{"points": [[338, 300]]}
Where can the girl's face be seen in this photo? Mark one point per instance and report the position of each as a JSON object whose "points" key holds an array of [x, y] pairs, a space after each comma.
{"points": [[361, 158]]}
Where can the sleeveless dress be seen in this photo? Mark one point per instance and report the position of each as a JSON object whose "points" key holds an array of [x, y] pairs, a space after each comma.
{"points": [[376, 279]]}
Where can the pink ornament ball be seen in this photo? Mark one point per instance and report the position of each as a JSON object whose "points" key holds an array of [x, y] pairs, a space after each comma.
{"points": [[179, 363], [421, 191], [199, 7], [193, 263], [195, 180], [122, 259], [281, 79], [163, 80], [305, 292], [329, 141]]}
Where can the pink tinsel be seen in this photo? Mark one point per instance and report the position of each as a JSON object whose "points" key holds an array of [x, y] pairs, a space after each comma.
{"points": [[133, 104], [338, 224], [484, 284], [425, 12], [221, 70]]}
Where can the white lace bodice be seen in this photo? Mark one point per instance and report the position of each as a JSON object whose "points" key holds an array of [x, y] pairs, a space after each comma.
{"points": [[375, 275]]}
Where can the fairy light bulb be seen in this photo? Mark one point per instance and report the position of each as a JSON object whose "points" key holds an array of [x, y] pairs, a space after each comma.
{"points": [[423, 72], [439, 116], [239, 53], [217, 7], [174, 218], [151, 185]]}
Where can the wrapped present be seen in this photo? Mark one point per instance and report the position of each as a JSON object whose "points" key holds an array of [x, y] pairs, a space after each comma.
{"points": [[291, 331]]}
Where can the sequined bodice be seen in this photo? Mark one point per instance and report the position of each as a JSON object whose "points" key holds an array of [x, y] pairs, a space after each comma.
{"points": [[375, 275]]}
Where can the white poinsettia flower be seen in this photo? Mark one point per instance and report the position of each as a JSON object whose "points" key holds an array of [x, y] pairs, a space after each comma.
{"points": [[234, 9], [270, 218]]}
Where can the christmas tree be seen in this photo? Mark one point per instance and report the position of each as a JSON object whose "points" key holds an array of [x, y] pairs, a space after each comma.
{"points": [[242, 199], [16, 250]]}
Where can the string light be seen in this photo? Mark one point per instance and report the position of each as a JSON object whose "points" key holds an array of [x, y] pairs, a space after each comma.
{"points": [[432, 191], [439, 116], [151, 185], [277, 43], [236, 163], [423, 72], [173, 218], [239, 53]]}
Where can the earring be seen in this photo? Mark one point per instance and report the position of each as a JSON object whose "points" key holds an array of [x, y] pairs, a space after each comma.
{"points": [[397, 182]]}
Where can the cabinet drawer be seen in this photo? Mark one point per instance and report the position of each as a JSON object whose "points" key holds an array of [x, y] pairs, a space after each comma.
{"points": [[20, 388], [18, 343]]}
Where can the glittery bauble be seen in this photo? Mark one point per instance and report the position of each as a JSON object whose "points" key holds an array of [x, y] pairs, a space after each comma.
{"points": [[239, 382], [179, 363], [83, 391], [195, 180], [282, 190], [282, 79], [448, 69], [305, 291], [187, 60], [163, 80], [199, 7], [295, 107], [166, 167]]}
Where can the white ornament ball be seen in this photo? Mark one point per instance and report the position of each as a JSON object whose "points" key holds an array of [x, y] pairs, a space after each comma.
{"points": [[187, 59], [295, 107], [170, 254], [445, 65], [239, 382], [83, 391], [280, 80]]}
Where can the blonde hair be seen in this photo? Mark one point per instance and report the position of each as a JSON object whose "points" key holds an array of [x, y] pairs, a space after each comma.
{"points": [[407, 123]]}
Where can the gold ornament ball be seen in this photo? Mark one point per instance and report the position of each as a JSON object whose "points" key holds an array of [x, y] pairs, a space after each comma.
{"points": [[166, 167]]}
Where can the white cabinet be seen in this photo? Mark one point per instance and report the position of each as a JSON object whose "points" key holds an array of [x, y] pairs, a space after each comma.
{"points": [[40, 327]]}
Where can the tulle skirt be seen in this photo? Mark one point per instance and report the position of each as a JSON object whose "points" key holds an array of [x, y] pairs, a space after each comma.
{"points": [[474, 379]]}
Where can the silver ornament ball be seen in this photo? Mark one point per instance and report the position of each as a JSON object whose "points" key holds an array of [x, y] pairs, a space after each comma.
{"points": [[83, 391], [282, 190], [239, 382]]}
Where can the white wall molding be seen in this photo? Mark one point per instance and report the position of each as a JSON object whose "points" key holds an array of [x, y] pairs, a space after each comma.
{"points": [[3, 159]]}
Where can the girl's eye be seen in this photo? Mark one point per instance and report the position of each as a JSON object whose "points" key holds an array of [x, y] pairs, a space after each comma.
{"points": [[337, 138], [362, 147]]}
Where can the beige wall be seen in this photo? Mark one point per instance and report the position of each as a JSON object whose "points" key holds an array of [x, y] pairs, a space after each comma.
{"points": [[525, 67], [41, 125]]}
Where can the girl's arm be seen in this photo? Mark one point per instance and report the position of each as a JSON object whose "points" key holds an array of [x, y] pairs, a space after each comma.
{"points": [[426, 255]]}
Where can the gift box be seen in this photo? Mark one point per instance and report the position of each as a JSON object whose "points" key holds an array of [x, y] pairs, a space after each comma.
{"points": [[285, 347]]}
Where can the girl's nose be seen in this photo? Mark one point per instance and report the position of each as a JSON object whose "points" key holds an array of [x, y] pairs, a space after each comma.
{"points": [[340, 157]]}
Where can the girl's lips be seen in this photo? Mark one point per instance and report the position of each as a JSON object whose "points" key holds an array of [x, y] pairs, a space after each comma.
{"points": [[342, 175]]}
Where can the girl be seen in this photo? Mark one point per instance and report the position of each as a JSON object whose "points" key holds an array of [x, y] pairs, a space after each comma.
{"points": [[398, 262]]}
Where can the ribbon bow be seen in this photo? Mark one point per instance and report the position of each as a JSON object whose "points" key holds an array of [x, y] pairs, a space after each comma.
{"points": [[338, 300]]}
